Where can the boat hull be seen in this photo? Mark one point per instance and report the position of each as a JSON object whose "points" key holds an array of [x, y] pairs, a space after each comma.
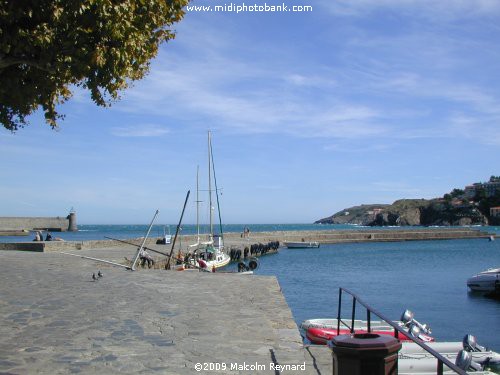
{"points": [[413, 359], [332, 323], [221, 260], [301, 245], [320, 331], [218, 263], [321, 336], [487, 281]]}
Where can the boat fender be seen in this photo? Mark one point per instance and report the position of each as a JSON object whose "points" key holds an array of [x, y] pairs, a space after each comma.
{"points": [[465, 362], [242, 267], [253, 264], [202, 263], [470, 344]]}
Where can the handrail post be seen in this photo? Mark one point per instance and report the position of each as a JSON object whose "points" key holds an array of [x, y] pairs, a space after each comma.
{"points": [[338, 314], [440, 367], [368, 319], [353, 313]]}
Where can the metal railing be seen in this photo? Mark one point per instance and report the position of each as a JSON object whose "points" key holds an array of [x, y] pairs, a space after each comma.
{"points": [[397, 330]]}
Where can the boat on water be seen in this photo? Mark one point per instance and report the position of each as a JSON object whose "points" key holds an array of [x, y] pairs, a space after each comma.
{"points": [[209, 254], [320, 331], [468, 355], [486, 281], [412, 358], [301, 245], [213, 256], [321, 336]]}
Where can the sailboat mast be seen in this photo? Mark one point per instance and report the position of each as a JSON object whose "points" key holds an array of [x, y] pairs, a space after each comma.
{"points": [[210, 187], [197, 204], [216, 190]]}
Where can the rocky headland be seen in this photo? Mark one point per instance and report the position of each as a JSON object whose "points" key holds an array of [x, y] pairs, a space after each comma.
{"points": [[459, 207], [407, 212]]}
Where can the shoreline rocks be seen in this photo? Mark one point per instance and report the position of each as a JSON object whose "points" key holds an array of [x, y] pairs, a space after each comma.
{"points": [[410, 212]]}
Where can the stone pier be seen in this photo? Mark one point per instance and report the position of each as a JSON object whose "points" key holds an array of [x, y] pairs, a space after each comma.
{"points": [[235, 239], [53, 224], [55, 319]]}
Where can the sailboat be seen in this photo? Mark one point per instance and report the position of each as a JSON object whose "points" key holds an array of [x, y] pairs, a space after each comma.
{"points": [[210, 254]]}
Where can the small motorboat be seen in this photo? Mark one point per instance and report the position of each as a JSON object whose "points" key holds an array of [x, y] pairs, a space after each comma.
{"points": [[486, 281], [301, 245], [332, 323], [321, 336], [467, 355], [320, 331]]}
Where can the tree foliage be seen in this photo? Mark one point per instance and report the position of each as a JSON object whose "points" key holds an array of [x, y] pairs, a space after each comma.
{"points": [[456, 193], [46, 46]]}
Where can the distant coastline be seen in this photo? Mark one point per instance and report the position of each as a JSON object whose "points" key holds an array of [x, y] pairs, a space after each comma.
{"points": [[477, 204]]}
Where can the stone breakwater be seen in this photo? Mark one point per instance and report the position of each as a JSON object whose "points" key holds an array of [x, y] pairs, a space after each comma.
{"points": [[385, 235], [236, 240], [53, 224]]}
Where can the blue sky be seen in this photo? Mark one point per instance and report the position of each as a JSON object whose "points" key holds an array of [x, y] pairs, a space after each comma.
{"points": [[364, 101]]}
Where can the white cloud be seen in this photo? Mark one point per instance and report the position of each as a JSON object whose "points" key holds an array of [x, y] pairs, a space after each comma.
{"points": [[356, 149], [139, 130], [195, 91], [448, 9], [309, 80], [221, 88], [485, 129]]}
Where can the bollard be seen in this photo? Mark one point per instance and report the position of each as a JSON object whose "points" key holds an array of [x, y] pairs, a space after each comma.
{"points": [[365, 354]]}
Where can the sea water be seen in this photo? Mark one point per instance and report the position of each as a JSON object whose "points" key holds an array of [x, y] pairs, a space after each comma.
{"points": [[427, 277]]}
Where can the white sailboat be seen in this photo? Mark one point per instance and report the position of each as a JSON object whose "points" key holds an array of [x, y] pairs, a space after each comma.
{"points": [[210, 254]]}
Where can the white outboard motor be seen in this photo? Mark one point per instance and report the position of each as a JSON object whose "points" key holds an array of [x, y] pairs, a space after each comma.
{"points": [[465, 362], [414, 331], [408, 319], [470, 344]]}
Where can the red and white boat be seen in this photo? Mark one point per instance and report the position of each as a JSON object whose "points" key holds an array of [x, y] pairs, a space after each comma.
{"points": [[320, 331], [321, 336]]}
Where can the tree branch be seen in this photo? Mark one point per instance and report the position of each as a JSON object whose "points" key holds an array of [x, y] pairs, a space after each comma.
{"points": [[6, 61]]}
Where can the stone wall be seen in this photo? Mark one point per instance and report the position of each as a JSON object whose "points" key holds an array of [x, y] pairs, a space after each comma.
{"points": [[54, 224], [235, 239]]}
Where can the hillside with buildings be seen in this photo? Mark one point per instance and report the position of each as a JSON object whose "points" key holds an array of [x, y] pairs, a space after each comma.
{"points": [[476, 204]]}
